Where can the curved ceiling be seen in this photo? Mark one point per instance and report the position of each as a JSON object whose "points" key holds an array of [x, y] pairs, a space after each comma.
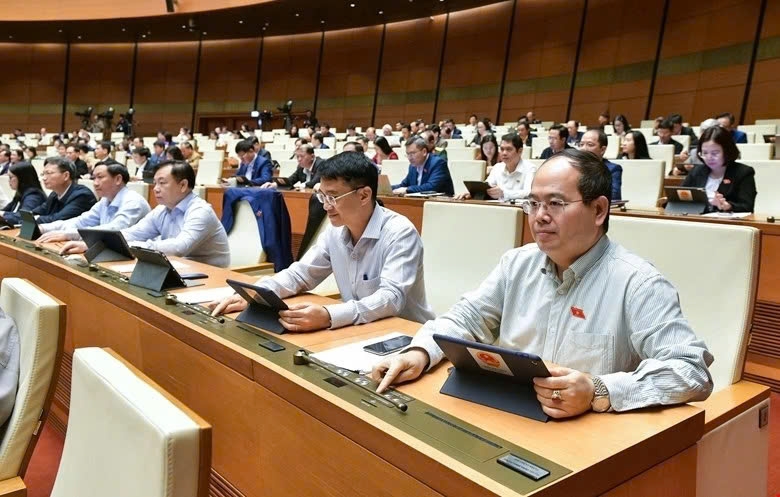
{"points": [[223, 20]]}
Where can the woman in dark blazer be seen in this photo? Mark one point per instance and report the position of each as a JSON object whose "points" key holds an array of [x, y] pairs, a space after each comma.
{"points": [[731, 186], [23, 178]]}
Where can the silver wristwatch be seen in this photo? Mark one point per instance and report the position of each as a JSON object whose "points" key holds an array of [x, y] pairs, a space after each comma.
{"points": [[600, 402]]}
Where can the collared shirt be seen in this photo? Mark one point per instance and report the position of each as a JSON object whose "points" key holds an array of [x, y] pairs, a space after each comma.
{"points": [[127, 208], [9, 367], [380, 276], [420, 170], [191, 230], [516, 184], [59, 197], [139, 172], [613, 315]]}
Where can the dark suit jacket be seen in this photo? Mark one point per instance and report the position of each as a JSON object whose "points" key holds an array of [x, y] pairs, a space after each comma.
{"points": [[300, 175], [548, 152], [5, 167], [739, 136], [76, 201], [572, 140], [262, 172], [436, 177], [678, 147], [530, 140], [616, 170], [738, 185], [81, 167], [31, 198]]}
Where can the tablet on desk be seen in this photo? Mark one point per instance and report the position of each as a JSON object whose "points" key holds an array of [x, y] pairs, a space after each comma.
{"points": [[263, 306], [478, 189], [685, 200], [493, 376], [105, 245], [154, 271], [29, 229]]}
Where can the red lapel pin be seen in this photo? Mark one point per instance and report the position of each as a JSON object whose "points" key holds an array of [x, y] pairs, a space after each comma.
{"points": [[577, 312]]}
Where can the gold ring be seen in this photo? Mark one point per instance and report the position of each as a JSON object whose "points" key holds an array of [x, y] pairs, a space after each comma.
{"points": [[556, 395]]}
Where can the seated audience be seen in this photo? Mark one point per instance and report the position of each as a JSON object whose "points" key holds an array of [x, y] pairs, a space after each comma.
{"points": [[184, 224], [621, 126], [679, 129], [432, 143], [141, 159], [5, 161], [183, 136], [574, 133], [9, 367], [294, 131], [455, 132], [374, 253], [488, 152], [173, 152], [158, 154], [23, 178], [427, 172], [473, 120], [531, 118], [67, 199], [74, 155], [727, 121], [595, 142], [664, 132], [557, 136], [356, 146], [325, 131], [255, 170], [316, 141], [634, 146], [730, 185], [103, 154], [511, 178], [524, 131], [624, 345], [190, 155], [118, 208], [483, 128], [370, 134], [259, 147], [406, 133], [383, 151], [603, 119]]}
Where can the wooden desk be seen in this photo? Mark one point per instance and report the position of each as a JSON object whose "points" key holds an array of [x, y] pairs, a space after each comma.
{"points": [[278, 430]]}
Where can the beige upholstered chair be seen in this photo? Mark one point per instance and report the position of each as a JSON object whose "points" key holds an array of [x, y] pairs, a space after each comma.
{"points": [[209, 172], [466, 170], [217, 155], [457, 260], [462, 154], [643, 182], [127, 437], [664, 153], [140, 188], [328, 287], [246, 246], [396, 170], [756, 151], [767, 184], [89, 184], [539, 143], [324, 153], [717, 287], [5, 186], [40, 319], [287, 167], [613, 147], [685, 140]]}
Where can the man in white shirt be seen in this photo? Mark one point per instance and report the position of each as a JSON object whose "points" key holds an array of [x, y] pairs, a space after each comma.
{"points": [[511, 178], [117, 209], [375, 255], [609, 321]]}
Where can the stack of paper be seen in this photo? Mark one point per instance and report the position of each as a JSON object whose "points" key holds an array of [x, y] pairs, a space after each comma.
{"points": [[353, 357]]}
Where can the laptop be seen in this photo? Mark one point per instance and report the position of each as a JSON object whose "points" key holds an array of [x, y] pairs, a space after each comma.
{"points": [[684, 200], [493, 376], [105, 245], [478, 189], [384, 188]]}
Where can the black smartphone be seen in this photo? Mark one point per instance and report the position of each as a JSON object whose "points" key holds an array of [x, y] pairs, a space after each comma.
{"points": [[388, 346]]}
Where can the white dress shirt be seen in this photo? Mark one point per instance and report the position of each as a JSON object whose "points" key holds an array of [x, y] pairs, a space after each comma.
{"points": [[516, 184], [191, 230], [613, 315], [380, 276], [139, 171], [127, 208]]}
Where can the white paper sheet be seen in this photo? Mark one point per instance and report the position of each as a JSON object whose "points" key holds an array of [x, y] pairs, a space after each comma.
{"points": [[728, 215], [205, 295], [353, 357]]}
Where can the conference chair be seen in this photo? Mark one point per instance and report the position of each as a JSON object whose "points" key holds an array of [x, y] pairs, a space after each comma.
{"points": [[458, 260], [212, 155], [538, 144], [664, 153], [140, 188], [462, 154], [733, 453], [648, 134], [685, 140], [767, 183], [121, 157], [38, 164], [91, 185], [760, 130], [756, 151], [328, 287], [647, 123], [5, 187], [613, 147], [526, 154], [128, 437], [325, 153], [609, 129], [455, 143], [209, 172], [206, 145], [330, 141], [466, 170], [287, 167], [643, 182], [246, 246], [396, 170], [40, 320]]}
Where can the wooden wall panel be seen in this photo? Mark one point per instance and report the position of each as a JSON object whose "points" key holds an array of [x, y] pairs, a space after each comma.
{"points": [[165, 86], [348, 76], [100, 77], [407, 84], [31, 88], [289, 71], [704, 58], [474, 62], [58, 10], [228, 71], [544, 46], [763, 102], [616, 65]]}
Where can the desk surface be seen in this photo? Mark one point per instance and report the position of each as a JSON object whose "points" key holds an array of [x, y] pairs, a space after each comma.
{"points": [[602, 451]]}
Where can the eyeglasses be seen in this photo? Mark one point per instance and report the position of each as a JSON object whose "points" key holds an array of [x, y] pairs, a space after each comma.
{"points": [[330, 199], [554, 207]]}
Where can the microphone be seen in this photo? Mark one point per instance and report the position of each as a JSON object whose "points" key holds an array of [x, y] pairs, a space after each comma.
{"points": [[302, 358]]}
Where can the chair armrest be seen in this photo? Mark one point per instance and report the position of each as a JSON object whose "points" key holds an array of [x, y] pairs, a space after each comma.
{"points": [[13, 487], [263, 266], [727, 403]]}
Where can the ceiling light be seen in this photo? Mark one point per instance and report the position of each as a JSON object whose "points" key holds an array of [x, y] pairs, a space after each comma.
{"points": [[142, 36], [352, 5], [241, 21], [183, 26], [205, 33], [59, 31], [10, 37], [297, 15], [381, 12], [79, 37], [123, 30], [322, 22]]}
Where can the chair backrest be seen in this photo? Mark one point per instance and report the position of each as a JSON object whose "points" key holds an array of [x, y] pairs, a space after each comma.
{"points": [[767, 184], [38, 165], [643, 182], [40, 320], [454, 263], [246, 246], [756, 151], [538, 144], [212, 155], [455, 143], [648, 134], [325, 153], [760, 129], [140, 188], [287, 167], [664, 153], [5, 187], [613, 147], [206, 145], [209, 172], [127, 436], [121, 157], [717, 256], [647, 123], [465, 153], [89, 184], [684, 139], [328, 287], [466, 170], [396, 170]]}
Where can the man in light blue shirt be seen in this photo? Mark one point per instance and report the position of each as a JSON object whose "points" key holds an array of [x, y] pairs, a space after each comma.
{"points": [[117, 208], [183, 224]]}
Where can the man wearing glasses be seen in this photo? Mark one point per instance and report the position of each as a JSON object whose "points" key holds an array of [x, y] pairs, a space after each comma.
{"points": [[608, 323], [375, 255]]}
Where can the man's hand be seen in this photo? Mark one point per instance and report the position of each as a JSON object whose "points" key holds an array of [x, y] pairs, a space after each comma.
{"points": [[400, 191], [462, 196], [269, 184], [72, 248], [234, 303], [52, 236], [496, 192], [576, 392], [403, 367], [305, 317]]}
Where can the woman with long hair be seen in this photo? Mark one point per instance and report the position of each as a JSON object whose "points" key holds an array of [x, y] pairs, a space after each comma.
{"points": [[488, 151], [634, 146], [23, 178], [383, 151]]}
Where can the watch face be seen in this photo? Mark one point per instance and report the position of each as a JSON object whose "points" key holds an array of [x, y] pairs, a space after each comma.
{"points": [[600, 404]]}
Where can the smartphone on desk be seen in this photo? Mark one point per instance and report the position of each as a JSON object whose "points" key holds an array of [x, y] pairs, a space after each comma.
{"points": [[388, 346]]}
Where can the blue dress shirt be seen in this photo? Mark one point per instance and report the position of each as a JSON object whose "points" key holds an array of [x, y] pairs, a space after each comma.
{"points": [[191, 230]]}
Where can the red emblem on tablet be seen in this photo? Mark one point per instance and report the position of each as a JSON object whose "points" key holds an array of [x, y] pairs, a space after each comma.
{"points": [[577, 312], [488, 359]]}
